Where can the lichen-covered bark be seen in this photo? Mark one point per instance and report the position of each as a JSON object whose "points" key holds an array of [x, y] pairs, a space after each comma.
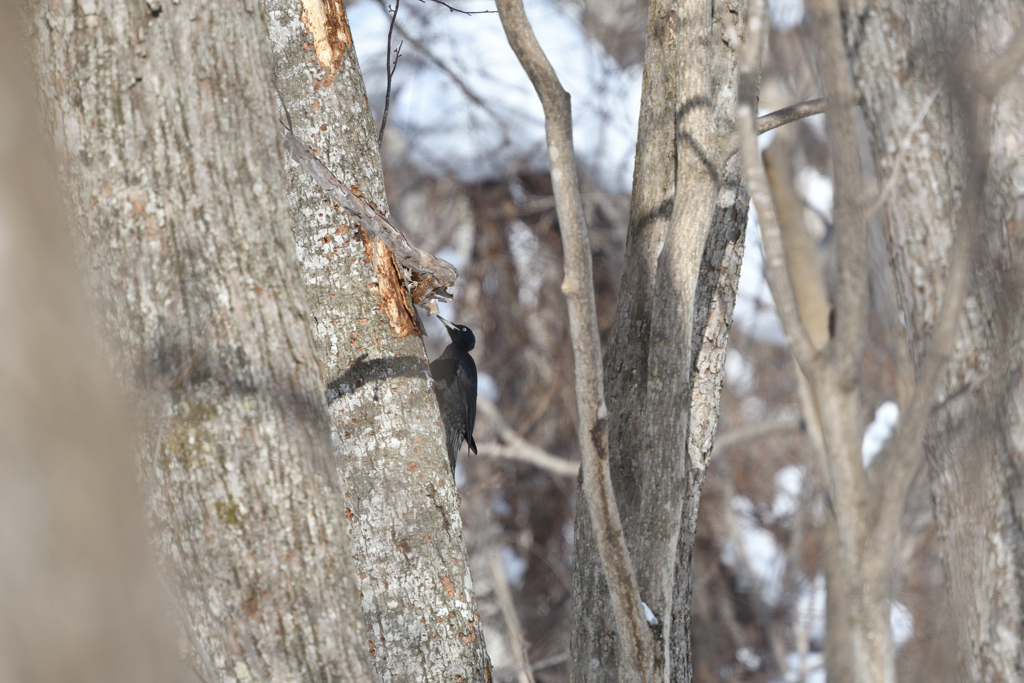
{"points": [[904, 51], [401, 501], [663, 372], [165, 117]]}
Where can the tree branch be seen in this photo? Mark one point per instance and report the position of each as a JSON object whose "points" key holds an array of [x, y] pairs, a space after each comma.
{"points": [[781, 117], [793, 112], [757, 185], [390, 71], [636, 642], [430, 276], [851, 306], [518, 448]]}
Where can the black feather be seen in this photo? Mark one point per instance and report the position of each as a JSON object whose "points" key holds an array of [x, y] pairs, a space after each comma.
{"points": [[454, 374]]}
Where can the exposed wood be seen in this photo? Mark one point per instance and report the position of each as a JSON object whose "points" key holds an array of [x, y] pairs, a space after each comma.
{"points": [[401, 506]]}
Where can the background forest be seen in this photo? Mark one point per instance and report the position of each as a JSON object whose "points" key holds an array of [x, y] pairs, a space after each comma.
{"points": [[802, 426]]}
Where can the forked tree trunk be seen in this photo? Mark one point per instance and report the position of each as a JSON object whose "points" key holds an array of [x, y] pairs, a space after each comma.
{"points": [[400, 498], [663, 366], [166, 118], [904, 51]]}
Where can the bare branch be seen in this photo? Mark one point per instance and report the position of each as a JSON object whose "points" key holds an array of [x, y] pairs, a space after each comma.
{"points": [[781, 117], [518, 448], [636, 642], [851, 306], [530, 454], [461, 11], [424, 50], [390, 70], [430, 276], [793, 112], [757, 185]]}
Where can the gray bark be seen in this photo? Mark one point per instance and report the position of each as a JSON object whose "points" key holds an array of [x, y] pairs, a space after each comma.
{"points": [[165, 117], [904, 51], [664, 360], [401, 501]]}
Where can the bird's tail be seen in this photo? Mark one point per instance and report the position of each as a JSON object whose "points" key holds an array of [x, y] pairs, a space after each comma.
{"points": [[472, 444]]}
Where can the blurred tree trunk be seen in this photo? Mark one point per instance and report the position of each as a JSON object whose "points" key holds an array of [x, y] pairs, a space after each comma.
{"points": [[663, 365], [74, 562], [814, 308], [904, 51], [401, 501], [165, 116]]}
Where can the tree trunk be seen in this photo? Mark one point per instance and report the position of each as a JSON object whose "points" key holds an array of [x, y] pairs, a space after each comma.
{"points": [[664, 360], [401, 500], [904, 52], [165, 116]]}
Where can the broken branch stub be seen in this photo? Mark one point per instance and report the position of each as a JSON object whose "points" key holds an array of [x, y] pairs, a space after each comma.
{"points": [[428, 277]]}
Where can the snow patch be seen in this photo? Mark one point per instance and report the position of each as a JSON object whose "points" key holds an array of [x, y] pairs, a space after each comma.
{"points": [[816, 189], [901, 622], [879, 431], [789, 482], [754, 313], [786, 14]]}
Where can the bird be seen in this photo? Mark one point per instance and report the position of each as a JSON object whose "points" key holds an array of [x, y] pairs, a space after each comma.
{"points": [[454, 380]]}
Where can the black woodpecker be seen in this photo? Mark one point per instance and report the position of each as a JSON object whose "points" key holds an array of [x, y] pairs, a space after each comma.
{"points": [[454, 375]]}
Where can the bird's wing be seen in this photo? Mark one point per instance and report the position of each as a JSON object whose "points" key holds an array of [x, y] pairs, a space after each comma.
{"points": [[442, 371], [467, 383]]}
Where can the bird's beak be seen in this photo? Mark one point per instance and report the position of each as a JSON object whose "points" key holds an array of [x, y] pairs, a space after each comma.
{"points": [[450, 325]]}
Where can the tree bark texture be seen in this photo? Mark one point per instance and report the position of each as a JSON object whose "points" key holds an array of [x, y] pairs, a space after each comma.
{"points": [[665, 356], [74, 561], [166, 119], [400, 499], [903, 51]]}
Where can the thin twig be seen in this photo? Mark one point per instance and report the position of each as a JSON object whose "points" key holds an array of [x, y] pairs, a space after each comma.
{"points": [[462, 11], [390, 70], [430, 275], [634, 637], [424, 49], [757, 185]]}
